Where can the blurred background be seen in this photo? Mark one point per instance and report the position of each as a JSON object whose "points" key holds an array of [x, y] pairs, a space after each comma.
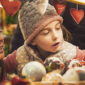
{"points": [[8, 24]]}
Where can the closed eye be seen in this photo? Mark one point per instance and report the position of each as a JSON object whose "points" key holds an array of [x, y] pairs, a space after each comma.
{"points": [[45, 32], [58, 28]]}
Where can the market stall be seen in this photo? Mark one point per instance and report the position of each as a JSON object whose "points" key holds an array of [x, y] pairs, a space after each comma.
{"points": [[56, 68]]}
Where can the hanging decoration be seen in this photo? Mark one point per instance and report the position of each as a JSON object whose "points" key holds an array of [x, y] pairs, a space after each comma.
{"points": [[77, 15], [11, 6], [60, 7]]}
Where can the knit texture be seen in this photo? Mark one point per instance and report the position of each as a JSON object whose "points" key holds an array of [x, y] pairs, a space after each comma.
{"points": [[34, 16]]}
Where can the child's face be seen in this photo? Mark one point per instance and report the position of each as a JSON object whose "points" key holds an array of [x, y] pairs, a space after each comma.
{"points": [[50, 38]]}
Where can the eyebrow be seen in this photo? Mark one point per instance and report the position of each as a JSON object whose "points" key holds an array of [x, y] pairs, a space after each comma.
{"points": [[58, 23], [48, 28]]}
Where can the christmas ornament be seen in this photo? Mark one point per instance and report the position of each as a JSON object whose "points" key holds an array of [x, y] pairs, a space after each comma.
{"points": [[77, 15], [54, 63], [34, 71], [11, 7], [59, 8]]}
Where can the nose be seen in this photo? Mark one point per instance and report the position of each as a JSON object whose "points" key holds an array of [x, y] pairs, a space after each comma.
{"points": [[54, 35]]}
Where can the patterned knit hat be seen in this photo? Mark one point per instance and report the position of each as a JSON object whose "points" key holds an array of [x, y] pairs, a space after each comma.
{"points": [[34, 16]]}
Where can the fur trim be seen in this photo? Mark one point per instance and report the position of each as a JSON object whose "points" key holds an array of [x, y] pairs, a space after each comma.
{"points": [[26, 54], [42, 6], [67, 52]]}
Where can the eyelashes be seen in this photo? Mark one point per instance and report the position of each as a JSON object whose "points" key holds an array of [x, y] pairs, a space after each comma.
{"points": [[58, 28], [45, 32]]}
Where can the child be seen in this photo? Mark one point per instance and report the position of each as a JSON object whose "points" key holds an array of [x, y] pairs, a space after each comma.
{"points": [[44, 36]]}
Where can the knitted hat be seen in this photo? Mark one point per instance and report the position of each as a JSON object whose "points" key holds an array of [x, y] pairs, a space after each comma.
{"points": [[34, 16]]}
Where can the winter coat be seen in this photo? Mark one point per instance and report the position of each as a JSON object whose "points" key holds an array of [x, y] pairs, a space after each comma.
{"points": [[15, 62]]}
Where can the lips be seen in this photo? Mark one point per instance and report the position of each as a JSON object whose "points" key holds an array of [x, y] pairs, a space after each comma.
{"points": [[56, 44]]}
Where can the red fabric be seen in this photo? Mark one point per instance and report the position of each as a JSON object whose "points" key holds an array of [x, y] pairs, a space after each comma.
{"points": [[80, 55], [10, 62]]}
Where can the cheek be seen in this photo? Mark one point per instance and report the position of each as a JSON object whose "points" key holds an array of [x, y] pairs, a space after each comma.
{"points": [[61, 35], [43, 41]]}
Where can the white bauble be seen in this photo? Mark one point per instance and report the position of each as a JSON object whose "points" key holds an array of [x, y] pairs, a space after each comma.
{"points": [[71, 75], [34, 71], [75, 74]]}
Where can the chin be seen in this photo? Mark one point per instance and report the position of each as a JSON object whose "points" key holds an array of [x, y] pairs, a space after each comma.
{"points": [[56, 50], [52, 51]]}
